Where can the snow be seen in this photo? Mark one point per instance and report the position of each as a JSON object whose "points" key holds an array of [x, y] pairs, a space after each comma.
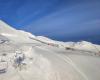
{"points": [[9, 35], [13, 34], [45, 39], [30, 57], [5, 28]]}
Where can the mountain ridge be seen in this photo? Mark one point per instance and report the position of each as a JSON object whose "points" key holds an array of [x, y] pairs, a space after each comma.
{"points": [[22, 36]]}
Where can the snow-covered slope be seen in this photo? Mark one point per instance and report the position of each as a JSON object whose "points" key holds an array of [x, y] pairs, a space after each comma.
{"points": [[5, 28], [3, 39], [24, 56], [13, 34], [45, 39], [82, 45]]}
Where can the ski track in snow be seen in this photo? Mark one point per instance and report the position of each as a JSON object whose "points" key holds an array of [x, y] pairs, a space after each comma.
{"points": [[67, 60]]}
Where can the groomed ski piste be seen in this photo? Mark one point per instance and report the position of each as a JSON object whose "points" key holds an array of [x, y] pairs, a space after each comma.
{"points": [[24, 56]]}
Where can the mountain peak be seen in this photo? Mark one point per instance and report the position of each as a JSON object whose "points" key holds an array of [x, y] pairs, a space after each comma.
{"points": [[5, 28], [13, 34]]}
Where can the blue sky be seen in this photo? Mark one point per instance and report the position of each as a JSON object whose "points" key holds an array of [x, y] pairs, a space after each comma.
{"points": [[65, 20]]}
